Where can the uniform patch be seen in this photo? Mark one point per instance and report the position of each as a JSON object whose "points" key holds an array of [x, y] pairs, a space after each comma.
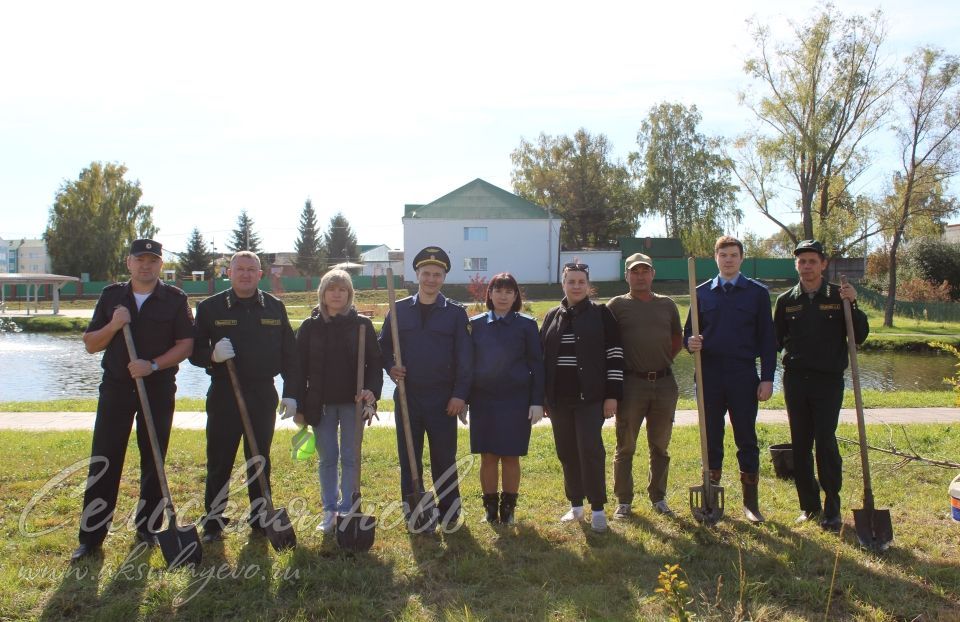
{"points": [[794, 309], [829, 307], [224, 322], [267, 321]]}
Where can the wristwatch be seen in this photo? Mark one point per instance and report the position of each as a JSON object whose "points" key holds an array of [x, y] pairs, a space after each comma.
{"points": [[154, 366]]}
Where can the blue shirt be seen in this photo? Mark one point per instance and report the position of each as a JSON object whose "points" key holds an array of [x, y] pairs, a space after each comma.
{"points": [[737, 327], [438, 353]]}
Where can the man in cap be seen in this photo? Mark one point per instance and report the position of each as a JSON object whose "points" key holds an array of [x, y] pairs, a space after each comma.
{"points": [[438, 371], [651, 335], [811, 330], [162, 326], [251, 326], [735, 329]]}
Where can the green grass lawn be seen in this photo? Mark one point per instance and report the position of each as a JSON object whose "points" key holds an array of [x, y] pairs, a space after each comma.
{"points": [[539, 570]]}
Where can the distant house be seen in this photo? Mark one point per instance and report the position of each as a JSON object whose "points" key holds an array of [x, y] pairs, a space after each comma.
{"points": [[282, 265], [376, 258], [25, 256], [951, 233], [486, 230]]}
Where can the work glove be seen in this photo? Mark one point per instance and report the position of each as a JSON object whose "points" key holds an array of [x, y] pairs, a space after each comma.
{"points": [[287, 408], [536, 414], [369, 412], [222, 351], [463, 415]]}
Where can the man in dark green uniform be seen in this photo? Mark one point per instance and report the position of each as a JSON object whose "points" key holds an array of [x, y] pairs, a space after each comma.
{"points": [[811, 331], [251, 326]]}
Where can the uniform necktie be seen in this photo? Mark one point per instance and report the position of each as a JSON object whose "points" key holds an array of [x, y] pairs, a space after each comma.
{"points": [[727, 287]]}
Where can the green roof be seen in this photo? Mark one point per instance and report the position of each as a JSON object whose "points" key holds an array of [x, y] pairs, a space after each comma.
{"points": [[478, 200]]}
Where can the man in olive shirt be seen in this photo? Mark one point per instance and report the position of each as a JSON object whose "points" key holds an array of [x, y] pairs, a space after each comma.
{"points": [[810, 329], [652, 337]]}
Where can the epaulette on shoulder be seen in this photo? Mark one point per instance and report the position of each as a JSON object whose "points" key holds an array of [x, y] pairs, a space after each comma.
{"points": [[113, 286], [456, 303], [528, 316], [478, 316], [269, 296], [756, 282]]}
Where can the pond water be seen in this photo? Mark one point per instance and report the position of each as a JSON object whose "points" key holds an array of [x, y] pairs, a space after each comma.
{"points": [[37, 366]]}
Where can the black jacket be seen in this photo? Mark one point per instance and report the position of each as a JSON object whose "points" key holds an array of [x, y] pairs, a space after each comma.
{"points": [[327, 351], [599, 352]]}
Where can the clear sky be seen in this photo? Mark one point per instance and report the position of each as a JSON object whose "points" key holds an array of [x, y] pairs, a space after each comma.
{"points": [[221, 106]]}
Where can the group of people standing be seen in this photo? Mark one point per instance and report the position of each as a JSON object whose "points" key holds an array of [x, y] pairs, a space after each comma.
{"points": [[586, 363]]}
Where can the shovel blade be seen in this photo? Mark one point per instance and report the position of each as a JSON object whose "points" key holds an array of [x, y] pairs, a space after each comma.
{"points": [[874, 528], [356, 532], [424, 515], [279, 530], [706, 503], [180, 545]]}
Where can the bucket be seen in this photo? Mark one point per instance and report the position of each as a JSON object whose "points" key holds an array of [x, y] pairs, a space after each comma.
{"points": [[782, 457], [302, 445], [955, 498]]}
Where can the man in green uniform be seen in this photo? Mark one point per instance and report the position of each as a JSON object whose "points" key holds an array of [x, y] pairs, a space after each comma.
{"points": [[251, 326], [811, 330], [652, 336]]}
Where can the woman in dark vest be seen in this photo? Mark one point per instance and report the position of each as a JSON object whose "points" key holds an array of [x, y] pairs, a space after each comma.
{"points": [[583, 361]]}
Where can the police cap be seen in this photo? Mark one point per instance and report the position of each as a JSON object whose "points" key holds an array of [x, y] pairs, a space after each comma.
{"points": [[432, 255], [143, 246], [807, 246]]}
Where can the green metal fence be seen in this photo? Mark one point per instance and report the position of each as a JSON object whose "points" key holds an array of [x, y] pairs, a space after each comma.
{"points": [[933, 311]]}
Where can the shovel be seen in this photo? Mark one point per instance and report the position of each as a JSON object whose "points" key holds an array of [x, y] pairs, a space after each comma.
{"points": [[706, 500], [180, 545], [276, 524], [873, 526], [355, 530], [422, 505]]}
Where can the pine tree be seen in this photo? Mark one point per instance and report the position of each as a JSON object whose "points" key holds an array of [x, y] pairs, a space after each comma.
{"points": [[307, 246], [198, 256], [339, 242], [243, 238]]}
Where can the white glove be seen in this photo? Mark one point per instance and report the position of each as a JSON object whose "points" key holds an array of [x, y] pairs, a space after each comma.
{"points": [[287, 408], [463, 415], [222, 351], [536, 414]]}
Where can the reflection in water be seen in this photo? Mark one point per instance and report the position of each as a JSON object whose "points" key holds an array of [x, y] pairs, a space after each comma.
{"points": [[36, 366]]}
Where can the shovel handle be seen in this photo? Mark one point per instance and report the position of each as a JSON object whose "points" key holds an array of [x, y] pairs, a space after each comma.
{"points": [[401, 386], [698, 373], [858, 400], [151, 430], [361, 365], [248, 430]]}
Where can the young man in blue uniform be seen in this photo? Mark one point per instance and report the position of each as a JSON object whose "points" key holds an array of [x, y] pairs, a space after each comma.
{"points": [[736, 327], [438, 371], [250, 325], [162, 326], [811, 331]]}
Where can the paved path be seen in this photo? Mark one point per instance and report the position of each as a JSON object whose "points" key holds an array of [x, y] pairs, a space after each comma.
{"points": [[198, 420]]}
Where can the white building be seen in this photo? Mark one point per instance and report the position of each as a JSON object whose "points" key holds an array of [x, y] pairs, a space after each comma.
{"points": [[486, 230], [951, 233], [25, 256], [377, 259]]}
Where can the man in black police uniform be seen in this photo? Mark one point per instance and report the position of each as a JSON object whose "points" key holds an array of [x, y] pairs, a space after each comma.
{"points": [[811, 330], [162, 327], [438, 370], [251, 326]]}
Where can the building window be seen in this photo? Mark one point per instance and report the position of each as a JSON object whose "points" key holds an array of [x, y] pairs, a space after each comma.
{"points": [[475, 264], [475, 234]]}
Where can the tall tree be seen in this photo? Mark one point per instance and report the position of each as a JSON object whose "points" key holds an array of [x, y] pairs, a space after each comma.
{"points": [[929, 103], [339, 241], [582, 184], [307, 245], [93, 221], [825, 91], [244, 238], [197, 257], [684, 178]]}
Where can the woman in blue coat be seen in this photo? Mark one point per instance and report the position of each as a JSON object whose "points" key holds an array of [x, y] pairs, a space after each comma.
{"points": [[507, 393]]}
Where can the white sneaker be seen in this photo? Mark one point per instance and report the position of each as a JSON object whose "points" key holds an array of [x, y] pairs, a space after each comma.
{"points": [[598, 522], [661, 507], [329, 522], [574, 513], [623, 511]]}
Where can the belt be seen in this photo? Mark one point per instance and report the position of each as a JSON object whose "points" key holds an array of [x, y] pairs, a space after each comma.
{"points": [[650, 375]]}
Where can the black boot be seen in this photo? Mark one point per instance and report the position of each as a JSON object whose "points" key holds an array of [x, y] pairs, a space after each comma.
{"points": [[507, 504], [490, 506], [751, 502]]}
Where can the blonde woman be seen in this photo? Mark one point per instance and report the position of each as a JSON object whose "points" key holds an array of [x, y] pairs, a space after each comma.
{"points": [[327, 346]]}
